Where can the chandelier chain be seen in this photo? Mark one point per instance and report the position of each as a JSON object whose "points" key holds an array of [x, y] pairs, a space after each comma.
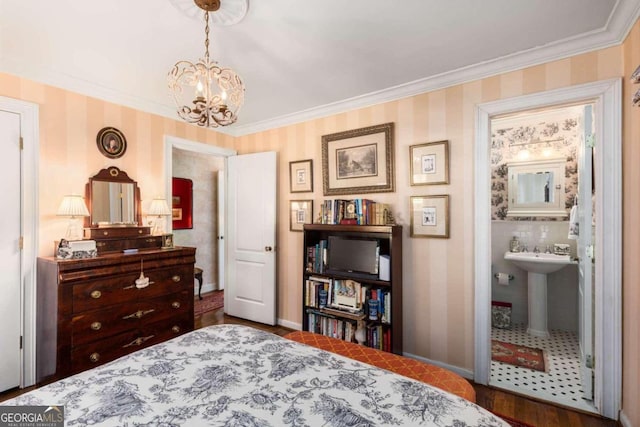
{"points": [[206, 36]]}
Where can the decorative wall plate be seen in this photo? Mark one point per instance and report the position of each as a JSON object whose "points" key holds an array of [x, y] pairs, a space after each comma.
{"points": [[111, 142]]}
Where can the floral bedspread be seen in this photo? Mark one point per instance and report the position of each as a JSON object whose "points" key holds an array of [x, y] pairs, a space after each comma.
{"points": [[231, 375]]}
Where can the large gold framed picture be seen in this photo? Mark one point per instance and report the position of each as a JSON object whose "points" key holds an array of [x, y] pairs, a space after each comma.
{"points": [[300, 213], [430, 216], [358, 161], [429, 163]]}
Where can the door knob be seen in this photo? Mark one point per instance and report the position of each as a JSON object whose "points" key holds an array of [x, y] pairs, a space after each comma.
{"points": [[268, 248]]}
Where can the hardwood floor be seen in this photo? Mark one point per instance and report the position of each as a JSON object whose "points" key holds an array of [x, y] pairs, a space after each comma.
{"points": [[526, 410]]}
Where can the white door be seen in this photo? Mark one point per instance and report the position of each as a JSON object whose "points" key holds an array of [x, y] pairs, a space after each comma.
{"points": [[251, 229], [10, 230], [221, 229], [586, 267]]}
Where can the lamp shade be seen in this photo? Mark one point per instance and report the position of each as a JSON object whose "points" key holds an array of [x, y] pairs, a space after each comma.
{"points": [[73, 206], [159, 207]]}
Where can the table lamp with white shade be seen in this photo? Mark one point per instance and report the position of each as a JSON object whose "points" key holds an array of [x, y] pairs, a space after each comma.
{"points": [[158, 208], [73, 206]]}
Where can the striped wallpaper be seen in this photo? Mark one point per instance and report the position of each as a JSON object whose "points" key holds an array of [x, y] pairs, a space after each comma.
{"points": [[438, 273]]}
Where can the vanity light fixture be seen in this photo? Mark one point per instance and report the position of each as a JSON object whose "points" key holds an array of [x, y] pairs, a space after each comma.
{"points": [[73, 206], [158, 208], [205, 93]]}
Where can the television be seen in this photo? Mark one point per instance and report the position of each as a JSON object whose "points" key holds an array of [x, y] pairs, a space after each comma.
{"points": [[353, 255]]}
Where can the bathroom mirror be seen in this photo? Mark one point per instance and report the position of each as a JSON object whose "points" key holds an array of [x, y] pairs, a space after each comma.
{"points": [[536, 188], [113, 199]]}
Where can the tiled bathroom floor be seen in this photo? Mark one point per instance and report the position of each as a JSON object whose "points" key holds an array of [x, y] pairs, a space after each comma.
{"points": [[561, 384]]}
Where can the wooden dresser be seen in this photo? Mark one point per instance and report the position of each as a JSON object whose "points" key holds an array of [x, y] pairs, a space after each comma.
{"points": [[90, 311]]}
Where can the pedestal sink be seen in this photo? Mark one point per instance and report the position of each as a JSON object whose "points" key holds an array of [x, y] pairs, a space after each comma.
{"points": [[538, 265]]}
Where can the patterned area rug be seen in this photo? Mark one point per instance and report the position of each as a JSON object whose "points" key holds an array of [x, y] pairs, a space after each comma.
{"points": [[210, 301], [518, 355]]}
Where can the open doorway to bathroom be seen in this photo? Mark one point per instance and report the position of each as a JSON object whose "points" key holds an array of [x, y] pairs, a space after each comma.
{"points": [[605, 96], [541, 193]]}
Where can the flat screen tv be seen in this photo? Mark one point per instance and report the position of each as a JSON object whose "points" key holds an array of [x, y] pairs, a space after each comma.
{"points": [[353, 255]]}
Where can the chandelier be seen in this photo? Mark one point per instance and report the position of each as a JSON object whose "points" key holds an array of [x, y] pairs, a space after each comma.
{"points": [[205, 93]]}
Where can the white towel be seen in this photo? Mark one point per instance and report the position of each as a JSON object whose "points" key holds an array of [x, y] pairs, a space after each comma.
{"points": [[574, 227]]}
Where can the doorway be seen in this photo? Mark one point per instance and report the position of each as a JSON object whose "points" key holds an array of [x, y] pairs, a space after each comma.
{"points": [[212, 159], [606, 98], [541, 192]]}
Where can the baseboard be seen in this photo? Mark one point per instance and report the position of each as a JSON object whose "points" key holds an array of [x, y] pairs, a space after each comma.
{"points": [[465, 373], [624, 420], [206, 287], [290, 325]]}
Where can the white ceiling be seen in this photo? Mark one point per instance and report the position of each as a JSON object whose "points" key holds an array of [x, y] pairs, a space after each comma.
{"points": [[299, 59]]}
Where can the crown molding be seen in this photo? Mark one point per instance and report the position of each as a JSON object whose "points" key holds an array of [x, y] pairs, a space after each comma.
{"points": [[626, 13]]}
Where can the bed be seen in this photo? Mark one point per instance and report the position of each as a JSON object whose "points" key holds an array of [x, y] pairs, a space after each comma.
{"points": [[433, 375], [232, 375]]}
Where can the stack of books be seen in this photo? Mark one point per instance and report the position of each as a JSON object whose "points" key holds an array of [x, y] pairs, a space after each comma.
{"points": [[356, 212]]}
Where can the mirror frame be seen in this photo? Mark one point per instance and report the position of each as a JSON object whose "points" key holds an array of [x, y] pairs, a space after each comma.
{"points": [[542, 209], [112, 174]]}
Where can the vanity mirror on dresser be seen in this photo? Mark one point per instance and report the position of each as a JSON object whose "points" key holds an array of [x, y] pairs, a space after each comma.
{"points": [[115, 217], [93, 310]]}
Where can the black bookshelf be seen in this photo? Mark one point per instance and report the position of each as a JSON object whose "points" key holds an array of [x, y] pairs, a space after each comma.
{"points": [[383, 331]]}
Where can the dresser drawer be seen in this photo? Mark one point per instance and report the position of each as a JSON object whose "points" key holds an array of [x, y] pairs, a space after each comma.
{"points": [[93, 354], [96, 294], [99, 324]]}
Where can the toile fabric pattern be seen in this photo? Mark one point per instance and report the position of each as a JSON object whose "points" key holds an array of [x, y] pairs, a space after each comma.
{"points": [[558, 132], [232, 375]]}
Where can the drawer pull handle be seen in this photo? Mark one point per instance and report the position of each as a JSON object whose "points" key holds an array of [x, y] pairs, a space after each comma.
{"points": [[94, 357], [139, 231], [96, 326], [105, 233], [175, 329], [175, 304], [101, 244], [150, 240], [96, 294], [138, 341], [176, 278], [138, 314]]}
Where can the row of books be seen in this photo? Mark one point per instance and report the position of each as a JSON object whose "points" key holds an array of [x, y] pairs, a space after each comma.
{"points": [[316, 261], [356, 211], [348, 296], [320, 323], [379, 337]]}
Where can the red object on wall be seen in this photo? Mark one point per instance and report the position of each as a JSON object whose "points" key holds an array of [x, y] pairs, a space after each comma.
{"points": [[181, 203]]}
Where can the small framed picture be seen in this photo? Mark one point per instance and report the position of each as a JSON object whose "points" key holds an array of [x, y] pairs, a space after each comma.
{"points": [[429, 163], [167, 241], [301, 176], [111, 142], [430, 216], [300, 213]]}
